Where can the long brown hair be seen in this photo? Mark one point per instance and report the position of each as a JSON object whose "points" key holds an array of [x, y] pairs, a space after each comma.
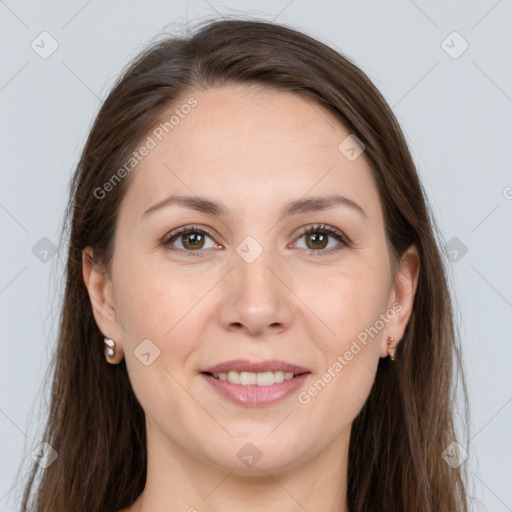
{"points": [[95, 422]]}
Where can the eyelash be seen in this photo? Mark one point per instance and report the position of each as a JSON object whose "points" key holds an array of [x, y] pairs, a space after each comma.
{"points": [[317, 228]]}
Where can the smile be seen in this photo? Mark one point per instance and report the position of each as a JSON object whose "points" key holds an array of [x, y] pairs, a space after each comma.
{"points": [[254, 379], [255, 389]]}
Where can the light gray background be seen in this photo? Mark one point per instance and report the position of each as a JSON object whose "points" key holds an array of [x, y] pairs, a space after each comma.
{"points": [[456, 114]]}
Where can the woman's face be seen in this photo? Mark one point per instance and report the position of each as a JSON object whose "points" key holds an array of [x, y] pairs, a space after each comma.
{"points": [[246, 284]]}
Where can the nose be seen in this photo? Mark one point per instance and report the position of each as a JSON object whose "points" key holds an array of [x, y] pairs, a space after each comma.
{"points": [[256, 297]]}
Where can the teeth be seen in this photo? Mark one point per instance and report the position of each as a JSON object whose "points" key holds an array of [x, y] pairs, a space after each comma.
{"points": [[252, 379]]}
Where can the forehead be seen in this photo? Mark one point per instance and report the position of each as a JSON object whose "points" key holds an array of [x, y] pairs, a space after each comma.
{"points": [[239, 141]]}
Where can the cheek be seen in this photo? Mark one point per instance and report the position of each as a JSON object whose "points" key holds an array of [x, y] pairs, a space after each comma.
{"points": [[349, 299], [160, 309], [338, 391], [168, 309], [152, 300], [352, 305]]}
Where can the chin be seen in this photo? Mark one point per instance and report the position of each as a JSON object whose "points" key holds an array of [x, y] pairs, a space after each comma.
{"points": [[255, 455]]}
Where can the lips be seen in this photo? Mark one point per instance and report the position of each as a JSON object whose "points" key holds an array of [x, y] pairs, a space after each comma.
{"points": [[255, 383], [245, 365], [254, 395]]}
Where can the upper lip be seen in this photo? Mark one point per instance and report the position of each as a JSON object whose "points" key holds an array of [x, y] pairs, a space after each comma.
{"points": [[245, 365]]}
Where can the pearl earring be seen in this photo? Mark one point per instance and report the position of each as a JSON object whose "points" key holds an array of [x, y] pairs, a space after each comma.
{"points": [[109, 350], [391, 351]]}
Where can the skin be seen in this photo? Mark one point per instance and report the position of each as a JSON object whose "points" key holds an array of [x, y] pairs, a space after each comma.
{"points": [[254, 150]]}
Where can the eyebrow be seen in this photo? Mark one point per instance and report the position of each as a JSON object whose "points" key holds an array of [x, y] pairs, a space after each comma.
{"points": [[298, 207]]}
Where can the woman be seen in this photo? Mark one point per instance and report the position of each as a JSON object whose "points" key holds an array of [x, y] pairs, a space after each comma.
{"points": [[256, 314]]}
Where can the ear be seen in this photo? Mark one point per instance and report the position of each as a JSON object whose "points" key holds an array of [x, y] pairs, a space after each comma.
{"points": [[401, 298], [99, 286]]}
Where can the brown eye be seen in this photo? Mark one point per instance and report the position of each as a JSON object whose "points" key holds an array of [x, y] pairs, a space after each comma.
{"points": [[189, 240], [317, 240], [193, 240]]}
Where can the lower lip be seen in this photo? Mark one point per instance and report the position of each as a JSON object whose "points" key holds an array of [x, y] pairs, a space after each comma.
{"points": [[254, 396]]}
